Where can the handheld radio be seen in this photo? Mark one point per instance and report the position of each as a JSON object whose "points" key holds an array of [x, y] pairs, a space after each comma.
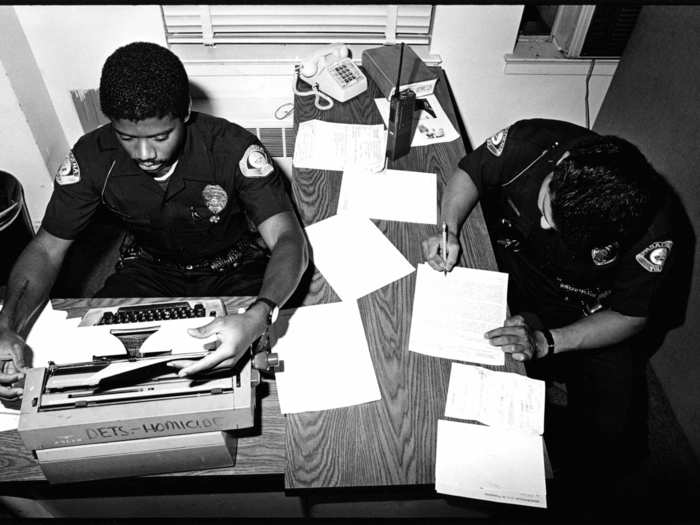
{"points": [[402, 107]]}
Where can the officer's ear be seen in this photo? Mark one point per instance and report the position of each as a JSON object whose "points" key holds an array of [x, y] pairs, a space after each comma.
{"points": [[189, 111]]}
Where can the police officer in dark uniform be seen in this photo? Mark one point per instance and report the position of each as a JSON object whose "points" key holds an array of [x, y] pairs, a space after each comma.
{"points": [[189, 187], [582, 225]]}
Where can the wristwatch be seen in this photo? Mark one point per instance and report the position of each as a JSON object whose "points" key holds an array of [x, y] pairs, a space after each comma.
{"points": [[274, 309], [550, 340]]}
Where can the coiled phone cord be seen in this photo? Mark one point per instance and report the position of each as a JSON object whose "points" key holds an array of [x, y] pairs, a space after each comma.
{"points": [[314, 91]]}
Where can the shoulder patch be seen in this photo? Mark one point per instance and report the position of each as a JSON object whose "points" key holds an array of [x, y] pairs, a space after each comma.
{"points": [[497, 142], [255, 162], [653, 257], [69, 171]]}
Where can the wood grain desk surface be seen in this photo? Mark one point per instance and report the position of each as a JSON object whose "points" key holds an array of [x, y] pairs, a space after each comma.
{"points": [[388, 442], [391, 441]]}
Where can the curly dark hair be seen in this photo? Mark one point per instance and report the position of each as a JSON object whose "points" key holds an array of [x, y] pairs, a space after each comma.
{"points": [[604, 192], [143, 80]]}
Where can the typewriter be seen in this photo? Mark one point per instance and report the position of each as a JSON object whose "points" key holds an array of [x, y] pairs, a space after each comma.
{"points": [[131, 316], [131, 414]]}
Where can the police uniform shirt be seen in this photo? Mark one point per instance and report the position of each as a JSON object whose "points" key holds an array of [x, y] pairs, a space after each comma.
{"points": [[508, 170], [223, 177]]}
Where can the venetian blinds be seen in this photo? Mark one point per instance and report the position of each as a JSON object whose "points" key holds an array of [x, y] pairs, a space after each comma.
{"points": [[289, 24]]}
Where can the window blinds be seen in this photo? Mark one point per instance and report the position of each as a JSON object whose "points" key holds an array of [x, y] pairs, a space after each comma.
{"points": [[243, 24]]}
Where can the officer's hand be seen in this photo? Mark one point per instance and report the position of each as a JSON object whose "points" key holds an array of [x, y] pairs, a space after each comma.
{"points": [[12, 369], [432, 252], [236, 332], [515, 337]]}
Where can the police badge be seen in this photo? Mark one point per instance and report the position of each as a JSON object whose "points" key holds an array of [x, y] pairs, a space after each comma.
{"points": [[496, 143], [653, 257], [69, 171], [216, 198], [605, 254], [255, 162]]}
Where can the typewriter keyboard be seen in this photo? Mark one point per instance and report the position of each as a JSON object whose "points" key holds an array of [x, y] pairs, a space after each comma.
{"points": [[154, 312]]}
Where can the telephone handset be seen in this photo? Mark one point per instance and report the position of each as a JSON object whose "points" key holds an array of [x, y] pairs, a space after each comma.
{"points": [[330, 72]]}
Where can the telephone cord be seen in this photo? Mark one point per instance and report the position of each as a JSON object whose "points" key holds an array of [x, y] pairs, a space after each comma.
{"points": [[314, 91]]}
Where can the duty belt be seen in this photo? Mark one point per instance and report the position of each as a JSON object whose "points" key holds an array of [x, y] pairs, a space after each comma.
{"points": [[231, 258]]}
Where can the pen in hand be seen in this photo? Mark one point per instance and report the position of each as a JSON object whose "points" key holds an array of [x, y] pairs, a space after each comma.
{"points": [[444, 249]]}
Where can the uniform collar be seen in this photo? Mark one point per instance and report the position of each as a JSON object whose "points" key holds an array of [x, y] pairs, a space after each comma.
{"points": [[193, 164]]}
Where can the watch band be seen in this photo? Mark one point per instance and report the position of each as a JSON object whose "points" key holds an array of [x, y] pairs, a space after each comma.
{"points": [[274, 309], [550, 340]]}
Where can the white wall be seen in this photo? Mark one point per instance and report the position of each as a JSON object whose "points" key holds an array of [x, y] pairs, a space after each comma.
{"points": [[19, 154], [70, 44], [472, 41]]}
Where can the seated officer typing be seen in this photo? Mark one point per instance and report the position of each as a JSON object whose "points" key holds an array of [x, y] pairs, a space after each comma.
{"points": [[581, 224], [186, 185]]}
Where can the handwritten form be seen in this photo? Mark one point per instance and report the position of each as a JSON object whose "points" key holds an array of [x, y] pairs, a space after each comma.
{"points": [[326, 358], [333, 146], [452, 312], [393, 195], [354, 255], [490, 463], [499, 399]]}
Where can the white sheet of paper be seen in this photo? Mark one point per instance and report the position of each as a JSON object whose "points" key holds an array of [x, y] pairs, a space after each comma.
{"points": [[430, 130], [354, 256], [452, 312], [334, 146], [497, 399], [173, 336], [393, 195], [56, 338], [493, 464], [9, 418], [326, 358]]}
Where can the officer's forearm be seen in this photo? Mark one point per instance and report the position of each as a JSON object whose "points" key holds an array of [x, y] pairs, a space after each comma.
{"points": [[458, 200], [28, 287], [288, 261], [601, 329]]}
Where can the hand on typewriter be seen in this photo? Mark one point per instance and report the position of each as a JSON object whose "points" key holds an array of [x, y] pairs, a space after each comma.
{"points": [[11, 363], [236, 332]]}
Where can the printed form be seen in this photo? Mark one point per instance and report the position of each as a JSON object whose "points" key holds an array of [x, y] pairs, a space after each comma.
{"points": [[332, 146], [327, 363], [498, 399], [452, 312], [392, 195], [490, 463], [504, 461]]}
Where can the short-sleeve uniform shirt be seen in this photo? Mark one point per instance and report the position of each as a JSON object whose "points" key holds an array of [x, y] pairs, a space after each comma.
{"points": [[508, 170], [223, 178]]}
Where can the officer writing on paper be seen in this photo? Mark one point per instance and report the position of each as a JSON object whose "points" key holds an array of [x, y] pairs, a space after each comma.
{"points": [[581, 223], [186, 185]]}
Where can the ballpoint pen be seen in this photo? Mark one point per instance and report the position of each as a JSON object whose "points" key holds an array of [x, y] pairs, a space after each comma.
{"points": [[444, 249]]}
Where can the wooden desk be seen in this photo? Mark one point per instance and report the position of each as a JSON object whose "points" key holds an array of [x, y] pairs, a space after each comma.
{"points": [[391, 441], [386, 443]]}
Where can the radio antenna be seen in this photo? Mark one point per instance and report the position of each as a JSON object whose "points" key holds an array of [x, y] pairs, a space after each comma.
{"points": [[398, 76]]}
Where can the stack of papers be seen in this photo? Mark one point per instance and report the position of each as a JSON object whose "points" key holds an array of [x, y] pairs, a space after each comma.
{"points": [[502, 462], [332, 146], [451, 314], [326, 358], [354, 256], [393, 195]]}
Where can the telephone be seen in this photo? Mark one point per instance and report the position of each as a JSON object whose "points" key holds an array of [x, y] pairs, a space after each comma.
{"points": [[331, 73]]}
